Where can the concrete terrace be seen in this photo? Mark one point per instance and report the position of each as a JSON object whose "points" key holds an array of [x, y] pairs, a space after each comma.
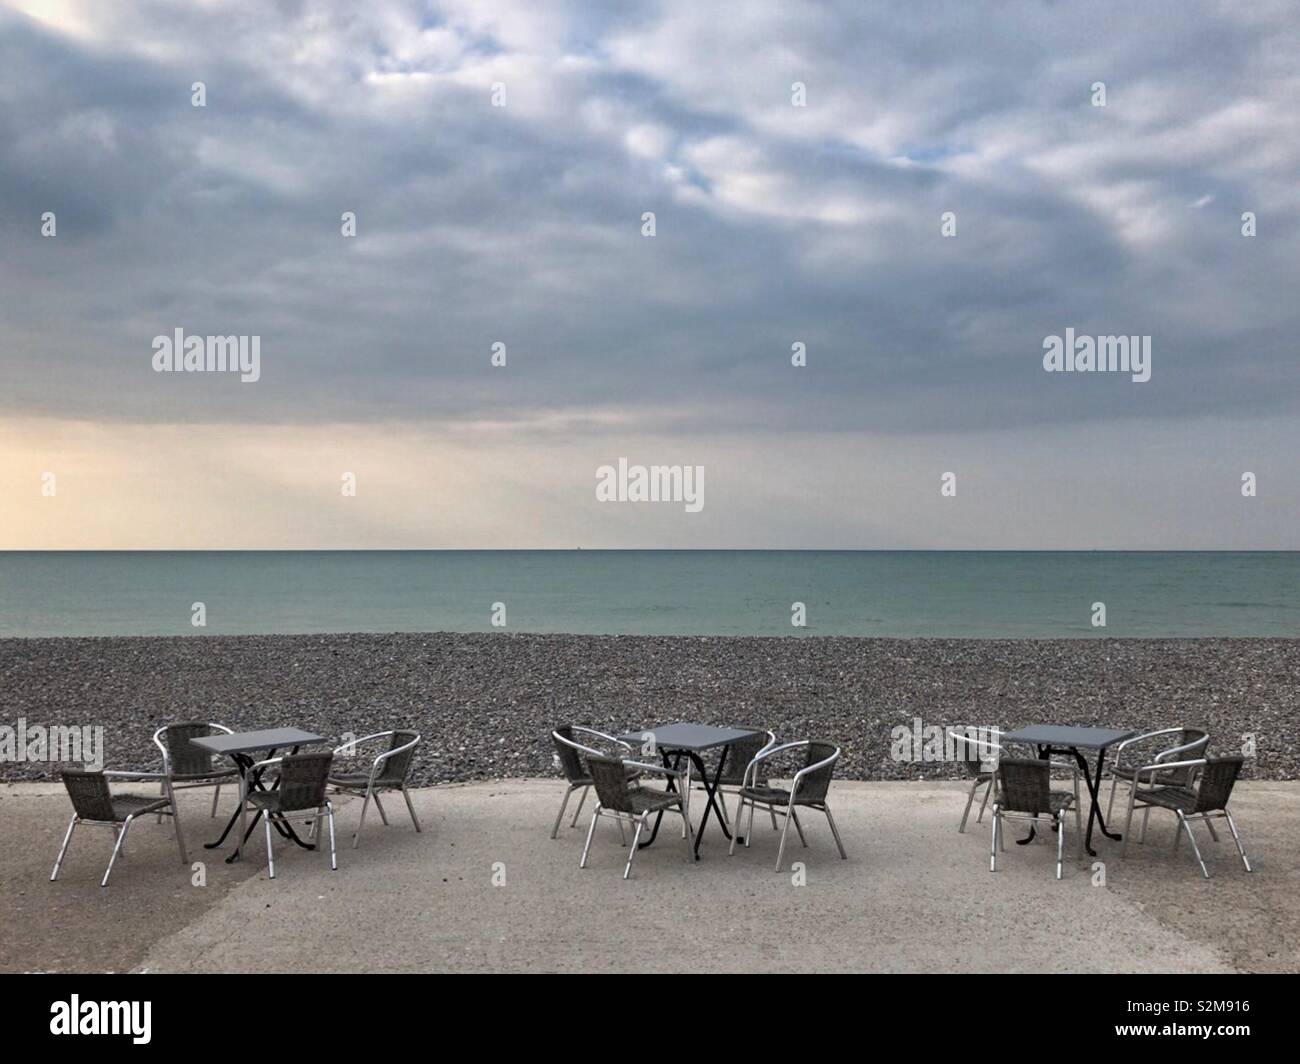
{"points": [[913, 896]]}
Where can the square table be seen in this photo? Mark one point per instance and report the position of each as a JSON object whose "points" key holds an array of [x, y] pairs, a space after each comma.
{"points": [[690, 740], [1068, 739], [238, 746]]}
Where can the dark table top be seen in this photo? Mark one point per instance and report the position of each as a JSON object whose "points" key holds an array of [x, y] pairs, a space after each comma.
{"points": [[249, 741], [1067, 736], [695, 737]]}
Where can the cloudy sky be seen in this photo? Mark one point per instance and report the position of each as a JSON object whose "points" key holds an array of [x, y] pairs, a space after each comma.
{"points": [[775, 224]]}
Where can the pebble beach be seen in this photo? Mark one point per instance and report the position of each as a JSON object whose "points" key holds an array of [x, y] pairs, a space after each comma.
{"points": [[485, 703]]}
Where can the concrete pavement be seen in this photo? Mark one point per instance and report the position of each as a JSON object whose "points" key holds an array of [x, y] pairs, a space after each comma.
{"points": [[485, 889]]}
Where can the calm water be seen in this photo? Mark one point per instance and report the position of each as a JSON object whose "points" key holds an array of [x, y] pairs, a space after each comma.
{"points": [[876, 593]]}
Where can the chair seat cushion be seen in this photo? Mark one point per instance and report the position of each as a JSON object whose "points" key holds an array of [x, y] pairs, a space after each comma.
{"points": [[125, 805], [1169, 798]]}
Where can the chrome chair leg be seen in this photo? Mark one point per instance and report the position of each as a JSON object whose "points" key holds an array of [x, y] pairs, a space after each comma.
{"points": [[117, 846], [798, 827], [595, 815], [270, 855], [749, 830], [162, 793], [636, 839], [690, 835], [1078, 827], [216, 794], [988, 793], [1060, 841], [780, 851], [555, 828], [970, 800], [1185, 826], [1209, 826], [1128, 822], [835, 831], [356, 835], [410, 808], [993, 843], [1232, 826], [67, 837], [383, 817], [176, 822], [740, 816], [1114, 782], [582, 799], [334, 861]]}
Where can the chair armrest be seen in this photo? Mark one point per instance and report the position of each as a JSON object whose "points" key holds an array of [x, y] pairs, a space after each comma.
{"points": [[673, 773], [117, 774], [1164, 766], [1119, 749], [351, 747], [601, 735], [763, 755]]}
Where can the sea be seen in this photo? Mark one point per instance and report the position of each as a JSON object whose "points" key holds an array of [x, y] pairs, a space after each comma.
{"points": [[930, 594]]}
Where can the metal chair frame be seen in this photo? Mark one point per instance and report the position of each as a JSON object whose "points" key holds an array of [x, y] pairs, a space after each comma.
{"points": [[583, 784], [1184, 819], [168, 785], [982, 778], [308, 814], [1196, 748], [682, 808], [120, 827], [370, 790], [1000, 812], [788, 811]]}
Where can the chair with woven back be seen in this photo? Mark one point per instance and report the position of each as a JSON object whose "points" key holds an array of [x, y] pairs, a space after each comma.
{"points": [[298, 794], [977, 751], [94, 803], [387, 772], [571, 758], [618, 797], [187, 766], [1206, 801], [1024, 792], [1188, 744], [808, 789]]}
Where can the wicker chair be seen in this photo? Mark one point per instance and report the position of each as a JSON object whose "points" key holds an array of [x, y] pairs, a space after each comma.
{"points": [[808, 789], [617, 798], [186, 766], [299, 794], [978, 758], [1024, 793], [1189, 745], [570, 754], [387, 772], [93, 803], [1208, 800]]}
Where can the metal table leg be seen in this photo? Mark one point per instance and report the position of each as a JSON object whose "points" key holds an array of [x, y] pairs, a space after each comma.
{"points": [[711, 790]]}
